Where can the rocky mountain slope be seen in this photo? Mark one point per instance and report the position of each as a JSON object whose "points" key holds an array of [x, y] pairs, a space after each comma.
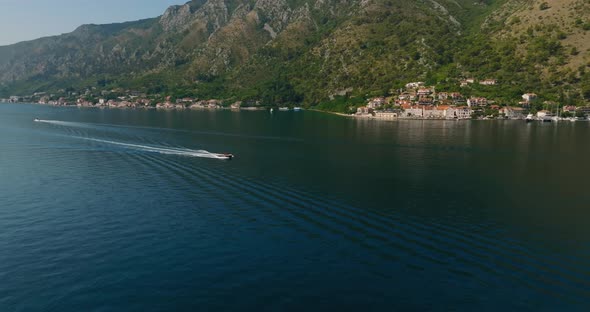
{"points": [[287, 51]]}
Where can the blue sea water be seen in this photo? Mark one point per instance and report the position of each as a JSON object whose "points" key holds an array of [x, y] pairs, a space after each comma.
{"points": [[126, 210]]}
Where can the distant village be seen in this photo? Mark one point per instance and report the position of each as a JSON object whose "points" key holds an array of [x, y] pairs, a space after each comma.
{"points": [[418, 101], [121, 99], [415, 101]]}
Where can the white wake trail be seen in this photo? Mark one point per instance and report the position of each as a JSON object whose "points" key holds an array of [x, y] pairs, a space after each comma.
{"points": [[145, 148], [162, 150], [64, 123]]}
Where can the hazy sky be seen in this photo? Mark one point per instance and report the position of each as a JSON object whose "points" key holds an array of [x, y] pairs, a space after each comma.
{"points": [[22, 20]]}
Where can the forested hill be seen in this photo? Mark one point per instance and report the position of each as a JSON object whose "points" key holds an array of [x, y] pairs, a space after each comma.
{"points": [[309, 51]]}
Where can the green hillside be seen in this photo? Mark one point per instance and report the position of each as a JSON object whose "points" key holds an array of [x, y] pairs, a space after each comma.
{"points": [[318, 52]]}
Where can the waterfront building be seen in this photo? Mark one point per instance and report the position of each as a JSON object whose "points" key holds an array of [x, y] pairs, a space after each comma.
{"points": [[387, 114], [458, 112], [414, 111], [512, 112]]}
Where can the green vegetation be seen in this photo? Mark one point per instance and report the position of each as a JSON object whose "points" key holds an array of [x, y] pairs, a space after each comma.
{"points": [[341, 104], [329, 48]]}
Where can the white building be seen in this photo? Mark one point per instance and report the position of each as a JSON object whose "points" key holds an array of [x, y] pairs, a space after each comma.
{"points": [[434, 112], [477, 101], [424, 91], [414, 111], [529, 97], [363, 111], [461, 112], [385, 115], [512, 112], [488, 82], [414, 85], [376, 102]]}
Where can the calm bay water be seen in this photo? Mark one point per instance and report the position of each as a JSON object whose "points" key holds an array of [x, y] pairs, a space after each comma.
{"points": [[122, 210]]}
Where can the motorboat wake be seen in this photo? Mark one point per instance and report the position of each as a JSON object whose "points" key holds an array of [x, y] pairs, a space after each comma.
{"points": [[165, 150]]}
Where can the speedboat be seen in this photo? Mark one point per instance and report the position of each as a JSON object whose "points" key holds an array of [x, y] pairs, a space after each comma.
{"points": [[225, 156], [36, 120]]}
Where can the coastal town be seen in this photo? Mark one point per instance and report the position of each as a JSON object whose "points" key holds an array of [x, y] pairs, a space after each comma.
{"points": [[122, 99], [416, 101]]}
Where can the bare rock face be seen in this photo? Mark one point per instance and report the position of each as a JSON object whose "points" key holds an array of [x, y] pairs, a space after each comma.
{"points": [[338, 45], [181, 17], [215, 13], [276, 12], [176, 18]]}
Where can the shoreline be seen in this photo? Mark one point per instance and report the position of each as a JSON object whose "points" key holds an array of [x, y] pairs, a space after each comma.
{"points": [[248, 108], [351, 116], [331, 113], [365, 117]]}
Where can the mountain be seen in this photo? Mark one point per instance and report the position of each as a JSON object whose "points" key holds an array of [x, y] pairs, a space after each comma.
{"points": [[318, 51], [540, 45]]}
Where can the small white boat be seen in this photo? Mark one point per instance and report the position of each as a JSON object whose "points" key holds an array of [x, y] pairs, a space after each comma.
{"points": [[225, 156], [296, 109], [529, 118], [36, 120], [283, 109], [272, 110]]}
